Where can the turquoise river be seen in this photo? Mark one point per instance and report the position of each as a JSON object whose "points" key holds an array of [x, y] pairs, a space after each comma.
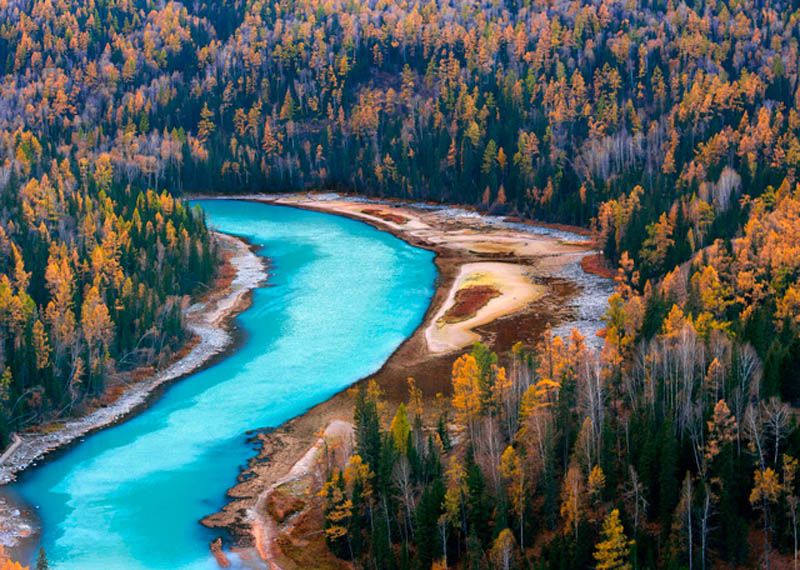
{"points": [[341, 296]]}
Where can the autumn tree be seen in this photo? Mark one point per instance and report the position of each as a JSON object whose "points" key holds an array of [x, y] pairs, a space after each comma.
{"points": [[613, 550]]}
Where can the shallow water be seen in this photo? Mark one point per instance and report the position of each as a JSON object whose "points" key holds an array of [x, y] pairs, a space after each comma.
{"points": [[341, 297]]}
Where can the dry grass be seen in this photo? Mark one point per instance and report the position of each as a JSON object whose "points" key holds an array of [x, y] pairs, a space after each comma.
{"points": [[304, 546]]}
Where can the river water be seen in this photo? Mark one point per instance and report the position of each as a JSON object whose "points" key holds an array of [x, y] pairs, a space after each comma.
{"points": [[340, 298]]}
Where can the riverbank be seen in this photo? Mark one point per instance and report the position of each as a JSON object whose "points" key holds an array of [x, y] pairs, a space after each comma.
{"points": [[208, 324], [523, 278]]}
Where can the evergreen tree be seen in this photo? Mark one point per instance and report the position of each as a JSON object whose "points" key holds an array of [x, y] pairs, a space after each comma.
{"points": [[41, 560]]}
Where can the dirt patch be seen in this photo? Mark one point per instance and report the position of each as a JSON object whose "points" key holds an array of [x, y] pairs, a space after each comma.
{"points": [[301, 544], [596, 264], [511, 279], [469, 301], [386, 216], [281, 504]]}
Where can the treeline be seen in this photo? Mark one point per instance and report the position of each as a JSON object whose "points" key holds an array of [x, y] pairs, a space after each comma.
{"points": [[547, 109]]}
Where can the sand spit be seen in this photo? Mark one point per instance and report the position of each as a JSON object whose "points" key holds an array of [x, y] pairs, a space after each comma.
{"points": [[515, 290]]}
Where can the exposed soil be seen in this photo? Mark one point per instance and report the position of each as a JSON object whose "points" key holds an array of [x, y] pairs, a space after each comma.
{"points": [[385, 216], [596, 264]]}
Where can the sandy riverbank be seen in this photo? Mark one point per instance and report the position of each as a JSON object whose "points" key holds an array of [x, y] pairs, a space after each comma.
{"points": [[207, 321], [535, 278]]}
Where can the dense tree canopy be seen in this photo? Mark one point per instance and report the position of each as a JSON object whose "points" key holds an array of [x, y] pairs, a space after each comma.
{"points": [[670, 127]]}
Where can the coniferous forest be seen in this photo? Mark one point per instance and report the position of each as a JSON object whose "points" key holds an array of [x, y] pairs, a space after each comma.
{"points": [[670, 128]]}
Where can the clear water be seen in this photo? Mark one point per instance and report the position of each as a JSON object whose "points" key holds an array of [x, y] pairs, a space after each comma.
{"points": [[341, 297]]}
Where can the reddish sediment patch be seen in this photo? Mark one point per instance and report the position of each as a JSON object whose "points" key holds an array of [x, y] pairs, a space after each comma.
{"points": [[468, 301], [219, 555], [596, 264], [385, 216], [281, 505]]}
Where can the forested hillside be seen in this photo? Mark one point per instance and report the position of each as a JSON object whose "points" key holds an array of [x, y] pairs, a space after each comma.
{"points": [[665, 125], [668, 455], [94, 263]]}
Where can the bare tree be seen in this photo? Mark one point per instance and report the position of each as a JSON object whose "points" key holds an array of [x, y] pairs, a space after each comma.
{"points": [[747, 383], [402, 479], [775, 415], [754, 433], [635, 500]]}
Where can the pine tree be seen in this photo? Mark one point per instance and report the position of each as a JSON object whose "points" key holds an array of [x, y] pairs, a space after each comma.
{"points": [[367, 429], [427, 514], [41, 560]]}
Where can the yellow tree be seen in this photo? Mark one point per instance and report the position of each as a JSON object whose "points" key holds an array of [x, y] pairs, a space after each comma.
{"points": [[59, 313], [511, 469], [722, 429], [596, 482], [658, 243], [400, 429], [98, 330], [766, 490], [573, 499], [338, 510], [504, 550], [466, 391], [103, 172], [612, 552], [40, 346], [503, 396]]}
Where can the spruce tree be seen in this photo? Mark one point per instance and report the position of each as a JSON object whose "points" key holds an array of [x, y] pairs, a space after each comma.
{"points": [[41, 560]]}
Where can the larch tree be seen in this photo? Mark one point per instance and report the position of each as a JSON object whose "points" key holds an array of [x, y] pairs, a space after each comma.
{"points": [[613, 550]]}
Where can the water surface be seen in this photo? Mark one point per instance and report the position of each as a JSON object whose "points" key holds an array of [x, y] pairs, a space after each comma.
{"points": [[341, 297]]}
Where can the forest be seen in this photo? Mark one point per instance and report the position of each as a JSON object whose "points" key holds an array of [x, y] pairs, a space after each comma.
{"points": [[665, 448], [668, 127], [671, 128]]}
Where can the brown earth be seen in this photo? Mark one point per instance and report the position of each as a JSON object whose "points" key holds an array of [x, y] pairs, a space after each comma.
{"points": [[596, 264], [385, 216]]}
